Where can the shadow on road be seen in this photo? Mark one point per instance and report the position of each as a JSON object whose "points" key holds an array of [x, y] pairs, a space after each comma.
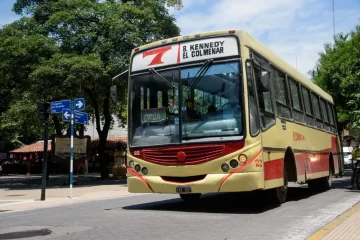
{"points": [[237, 203], [56, 181]]}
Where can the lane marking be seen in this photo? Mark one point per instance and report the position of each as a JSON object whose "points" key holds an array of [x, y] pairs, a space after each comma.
{"points": [[320, 234]]}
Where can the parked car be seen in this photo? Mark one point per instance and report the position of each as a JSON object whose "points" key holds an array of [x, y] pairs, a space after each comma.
{"points": [[347, 157]]}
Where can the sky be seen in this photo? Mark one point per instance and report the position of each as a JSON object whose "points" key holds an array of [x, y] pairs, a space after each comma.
{"points": [[296, 30]]}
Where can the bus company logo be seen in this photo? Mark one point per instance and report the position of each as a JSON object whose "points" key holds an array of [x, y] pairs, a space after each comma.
{"points": [[159, 52], [298, 136], [181, 156]]}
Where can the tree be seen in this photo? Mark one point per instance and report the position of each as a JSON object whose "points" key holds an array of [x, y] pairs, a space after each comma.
{"points": [[338, 72], [94, 40], [23, 47], [18, 125]]}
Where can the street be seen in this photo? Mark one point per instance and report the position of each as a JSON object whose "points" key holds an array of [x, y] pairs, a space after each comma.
{"points": [[153, 216]]}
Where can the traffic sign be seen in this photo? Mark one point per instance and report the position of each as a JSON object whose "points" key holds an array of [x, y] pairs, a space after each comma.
{"points": [[66, 114], [57, 107], [79, 104], [81, 117]]}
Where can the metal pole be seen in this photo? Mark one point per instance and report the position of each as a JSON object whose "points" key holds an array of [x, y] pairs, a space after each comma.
{"points": [[44, 170], [71, 147]]}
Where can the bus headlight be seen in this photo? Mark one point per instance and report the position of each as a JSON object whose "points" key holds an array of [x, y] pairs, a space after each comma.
{"points": [[144, 170], [234, 163], [137, 168], [225, 167], [131, 164]]}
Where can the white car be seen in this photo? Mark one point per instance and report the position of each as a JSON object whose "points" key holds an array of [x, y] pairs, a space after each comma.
{"points": [[347, 157]]}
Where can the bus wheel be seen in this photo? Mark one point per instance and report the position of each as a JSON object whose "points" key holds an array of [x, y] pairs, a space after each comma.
{"points": [[279, 194], [193, 197], [324, 183]]}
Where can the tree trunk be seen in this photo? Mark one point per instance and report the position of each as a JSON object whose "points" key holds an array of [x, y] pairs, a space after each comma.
{"points": [[57, 125], [104, 158], [102, 139]]}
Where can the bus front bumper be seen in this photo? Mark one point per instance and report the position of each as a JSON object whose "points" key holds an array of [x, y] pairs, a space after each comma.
{"points": [[237, 182]]}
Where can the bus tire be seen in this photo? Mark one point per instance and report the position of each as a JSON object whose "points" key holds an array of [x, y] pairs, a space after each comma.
{"points": [[190, 198], [279, 194], [326, 182]]}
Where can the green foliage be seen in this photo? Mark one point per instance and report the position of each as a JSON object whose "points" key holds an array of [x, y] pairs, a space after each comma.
{"points": [[338, 72], [19, 125], [70, 49]]}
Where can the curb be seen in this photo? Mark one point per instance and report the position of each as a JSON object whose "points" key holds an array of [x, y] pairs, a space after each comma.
{"points": [[320, 234]]}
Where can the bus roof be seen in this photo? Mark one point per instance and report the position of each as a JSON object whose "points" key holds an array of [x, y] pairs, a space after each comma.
{"points": [[248, 40]]}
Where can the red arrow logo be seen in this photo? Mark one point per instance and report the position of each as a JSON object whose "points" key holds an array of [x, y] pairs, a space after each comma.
{"points": [[159, 53]]}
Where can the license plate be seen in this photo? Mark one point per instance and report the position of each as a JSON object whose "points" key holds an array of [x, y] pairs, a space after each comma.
{"points": [[185, 189]]}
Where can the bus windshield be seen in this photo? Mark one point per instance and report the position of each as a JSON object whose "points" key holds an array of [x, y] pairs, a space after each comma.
{"points": [[191, 105]]}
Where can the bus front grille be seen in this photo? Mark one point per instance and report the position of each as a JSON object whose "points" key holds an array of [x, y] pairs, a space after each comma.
{"points": [[190, 155]]}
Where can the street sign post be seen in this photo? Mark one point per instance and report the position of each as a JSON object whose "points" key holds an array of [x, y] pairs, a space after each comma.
{"points": [[57, 107], [71, 113]]}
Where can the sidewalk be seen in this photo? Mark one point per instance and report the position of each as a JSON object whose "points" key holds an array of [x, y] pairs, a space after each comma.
{"points": [[345, 226], [19, 194]]}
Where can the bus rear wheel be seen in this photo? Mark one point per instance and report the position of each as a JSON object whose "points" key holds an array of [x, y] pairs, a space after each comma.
{"points": [[193, 197]]}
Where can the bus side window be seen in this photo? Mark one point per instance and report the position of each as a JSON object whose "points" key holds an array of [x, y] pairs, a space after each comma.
{"points": [[263, 88], [281, 94], [298, 110], [253, 112], [315, 101]]}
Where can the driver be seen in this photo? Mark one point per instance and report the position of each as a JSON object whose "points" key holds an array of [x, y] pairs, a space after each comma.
{"points": [[191, 113]]}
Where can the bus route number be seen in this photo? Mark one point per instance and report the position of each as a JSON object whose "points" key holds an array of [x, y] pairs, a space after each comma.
{"points": [[258, 162]]}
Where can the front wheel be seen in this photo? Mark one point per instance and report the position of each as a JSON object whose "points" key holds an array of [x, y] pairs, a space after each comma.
{"points": [[190, 198], [279, 194]]}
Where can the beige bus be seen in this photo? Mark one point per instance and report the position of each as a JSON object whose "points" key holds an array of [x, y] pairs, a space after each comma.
{"points": [[220, 112]]}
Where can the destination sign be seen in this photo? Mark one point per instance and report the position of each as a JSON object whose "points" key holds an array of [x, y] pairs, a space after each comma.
{"points": [[186, 52], [153, 115]]}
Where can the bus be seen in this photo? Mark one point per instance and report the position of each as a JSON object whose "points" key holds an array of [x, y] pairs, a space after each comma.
{"points": [[219, 112]]}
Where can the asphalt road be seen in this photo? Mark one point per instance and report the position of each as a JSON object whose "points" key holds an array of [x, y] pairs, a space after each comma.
{"points": [[153, 216]]}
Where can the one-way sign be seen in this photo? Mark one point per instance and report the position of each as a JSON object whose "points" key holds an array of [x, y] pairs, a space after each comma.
{"points": [[66, 114], [81, 117], [79, 104]]}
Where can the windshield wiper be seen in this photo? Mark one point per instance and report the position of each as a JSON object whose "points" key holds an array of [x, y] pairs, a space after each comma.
{"points": [[203, 69], [153, 71]]}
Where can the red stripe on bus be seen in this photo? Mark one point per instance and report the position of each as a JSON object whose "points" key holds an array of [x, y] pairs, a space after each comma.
{"points": [[239, 169], [273, 169], [315, 163], [140, 177], [178, 58]]}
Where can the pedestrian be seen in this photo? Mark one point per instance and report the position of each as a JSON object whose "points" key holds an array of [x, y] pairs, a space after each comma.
{"points": [[355, 156]]}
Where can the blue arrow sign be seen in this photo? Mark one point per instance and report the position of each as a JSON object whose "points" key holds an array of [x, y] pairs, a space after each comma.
{"points": [[79, 104], [57, 107], [81, 117], [66, 114]]}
